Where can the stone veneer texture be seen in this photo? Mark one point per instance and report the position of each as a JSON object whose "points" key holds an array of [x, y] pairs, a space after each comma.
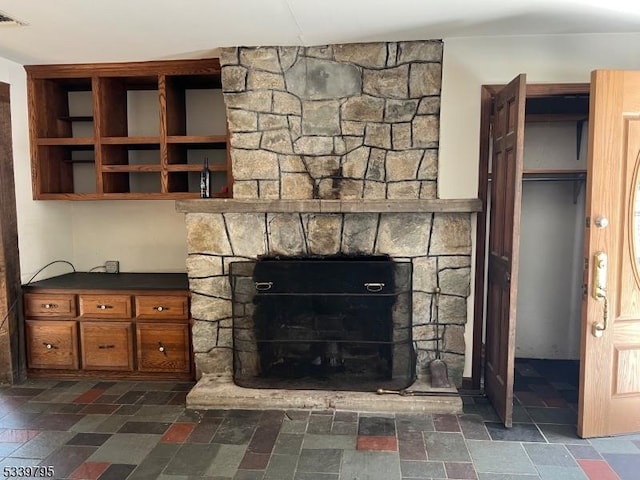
{"points": [[334, 122], [438, 245]]}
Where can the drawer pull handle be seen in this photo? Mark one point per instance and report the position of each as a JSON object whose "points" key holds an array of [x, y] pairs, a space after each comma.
{"points": [[104, 347], [160, 308], [374, 287], [103, 306], [49, 346], [263, 286], [162, 349], [49, 306]]}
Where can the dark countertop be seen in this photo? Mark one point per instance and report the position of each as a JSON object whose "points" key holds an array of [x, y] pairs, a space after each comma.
{"points": [[114, 281]]}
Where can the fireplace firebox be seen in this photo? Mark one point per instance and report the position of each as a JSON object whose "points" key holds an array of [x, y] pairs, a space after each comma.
{"points": [[331, 323]]}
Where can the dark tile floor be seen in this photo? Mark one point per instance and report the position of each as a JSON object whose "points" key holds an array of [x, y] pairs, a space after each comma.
{"points": [[141, 430]]}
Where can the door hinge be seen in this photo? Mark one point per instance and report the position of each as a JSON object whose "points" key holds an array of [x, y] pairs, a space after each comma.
{"points": [[587, 222]]}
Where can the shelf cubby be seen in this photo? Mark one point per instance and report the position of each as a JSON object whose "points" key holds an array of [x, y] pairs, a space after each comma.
{"points": [[127, 130]]}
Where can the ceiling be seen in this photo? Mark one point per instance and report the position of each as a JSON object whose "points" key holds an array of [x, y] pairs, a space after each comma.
{"points": [[73, 31]]}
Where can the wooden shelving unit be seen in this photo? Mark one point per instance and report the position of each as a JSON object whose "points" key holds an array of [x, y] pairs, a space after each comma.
{"points": [[127, 130]]}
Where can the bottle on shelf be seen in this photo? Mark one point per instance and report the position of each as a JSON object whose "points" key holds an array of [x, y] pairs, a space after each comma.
{"points": [[205, 191]]}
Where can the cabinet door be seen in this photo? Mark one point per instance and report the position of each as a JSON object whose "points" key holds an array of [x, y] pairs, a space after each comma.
{"points": [[156, 307], [106, 345], [105, 306], [163, 347], [49, 305], [52, 344]]}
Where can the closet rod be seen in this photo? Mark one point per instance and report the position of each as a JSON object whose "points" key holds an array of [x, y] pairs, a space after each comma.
{"points": [[554, 179]]}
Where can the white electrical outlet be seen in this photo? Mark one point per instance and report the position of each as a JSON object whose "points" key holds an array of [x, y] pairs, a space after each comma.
{"points": [[112, 266]]}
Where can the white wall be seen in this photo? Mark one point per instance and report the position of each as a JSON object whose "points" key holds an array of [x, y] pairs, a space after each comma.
{"points": [[145, 236], [44, 228], [472, 62]]}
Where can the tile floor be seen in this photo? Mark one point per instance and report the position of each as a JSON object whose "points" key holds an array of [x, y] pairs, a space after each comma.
{"points": [[141, 430]]}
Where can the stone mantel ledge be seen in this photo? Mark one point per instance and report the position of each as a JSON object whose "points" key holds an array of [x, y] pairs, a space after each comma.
{"points": [[230, 205]]}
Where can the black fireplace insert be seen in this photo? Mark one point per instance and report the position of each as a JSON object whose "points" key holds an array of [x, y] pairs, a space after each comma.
{"points": [[331, 323]]}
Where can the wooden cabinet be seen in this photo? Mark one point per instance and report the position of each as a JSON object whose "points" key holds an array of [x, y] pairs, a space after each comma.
{"points": [[162, 307], [49, 305], [104, 306], [162, 347], [119, 330], [52, 344], [106, 345], [127, 130]]}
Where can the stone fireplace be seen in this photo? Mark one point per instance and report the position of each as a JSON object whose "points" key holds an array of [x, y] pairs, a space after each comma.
{"points": [[334, 152]]}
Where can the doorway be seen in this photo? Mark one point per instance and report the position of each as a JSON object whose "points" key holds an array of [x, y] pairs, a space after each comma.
{"points": [[609, 385], [543, 234]]}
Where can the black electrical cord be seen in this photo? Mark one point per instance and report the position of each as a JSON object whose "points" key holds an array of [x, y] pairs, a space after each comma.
{"points": [[48, 265], [13, 304]]}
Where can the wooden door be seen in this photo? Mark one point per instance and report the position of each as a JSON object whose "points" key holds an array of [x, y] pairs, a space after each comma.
{"points": [[504, 239], [610, 350]]}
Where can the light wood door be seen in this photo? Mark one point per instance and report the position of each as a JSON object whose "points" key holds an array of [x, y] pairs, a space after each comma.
{"points": [[610, 363], [504, 240]]}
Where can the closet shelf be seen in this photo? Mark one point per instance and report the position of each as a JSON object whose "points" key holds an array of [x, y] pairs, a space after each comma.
{"points": [[578, 177], [553, 174]]}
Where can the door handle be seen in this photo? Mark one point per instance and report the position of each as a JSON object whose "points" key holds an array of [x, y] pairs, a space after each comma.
{"points": [[600, 292]]}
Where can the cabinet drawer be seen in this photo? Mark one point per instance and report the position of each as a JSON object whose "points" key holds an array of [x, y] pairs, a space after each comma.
{"points": [[162, 306], [106, 345], [49, 305], [163, 347], [105, 306], [52, 344]]}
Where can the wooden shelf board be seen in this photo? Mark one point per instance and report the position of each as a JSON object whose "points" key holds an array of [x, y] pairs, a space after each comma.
{"points": [[209, 66], [553, 172], [150, 196], [197, 139], [67, 196], [130, 141], [130, 168], [543, 117], [466, 205], [550, 172], [86, 160], [77, 118], [66, 141], [184, 167]]}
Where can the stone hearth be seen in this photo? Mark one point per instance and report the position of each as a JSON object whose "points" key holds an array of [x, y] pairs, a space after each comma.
{"points": [[334, 151]]}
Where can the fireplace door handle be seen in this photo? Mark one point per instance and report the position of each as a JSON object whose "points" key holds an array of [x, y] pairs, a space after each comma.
{"points": [[263, 286], [374, 287]]}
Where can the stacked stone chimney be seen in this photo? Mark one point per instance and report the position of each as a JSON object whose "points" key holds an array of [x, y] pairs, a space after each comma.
{"points": [[350, 124]]}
